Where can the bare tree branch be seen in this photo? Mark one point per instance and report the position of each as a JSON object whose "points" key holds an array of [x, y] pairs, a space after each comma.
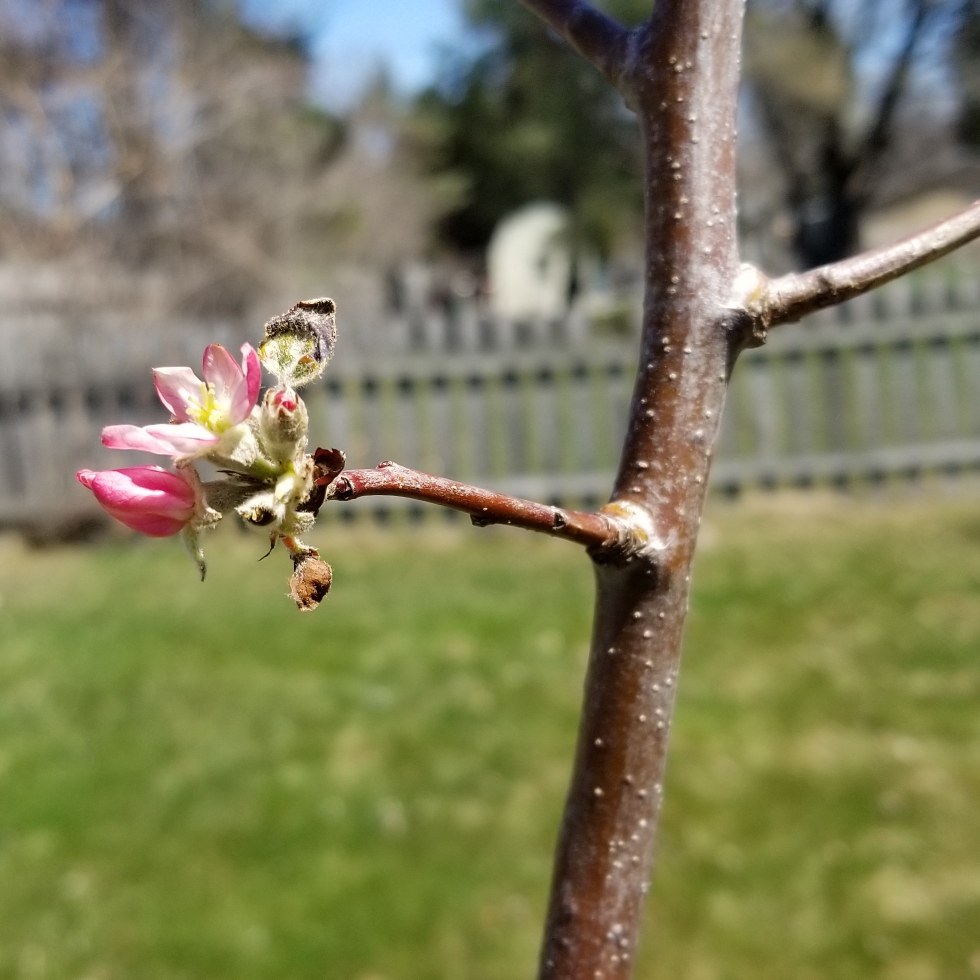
{"points": [[600, 532], [599, 39], [790, 297]]}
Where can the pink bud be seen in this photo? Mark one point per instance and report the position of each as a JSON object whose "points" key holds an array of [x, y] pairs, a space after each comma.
{"points": [[149, 499], [283, 423], [285, 400]]}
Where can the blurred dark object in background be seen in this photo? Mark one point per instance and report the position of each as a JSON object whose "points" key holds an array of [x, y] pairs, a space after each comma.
{"points": [[849, 107]]}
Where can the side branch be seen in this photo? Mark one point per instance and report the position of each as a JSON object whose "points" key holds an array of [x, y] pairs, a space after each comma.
{"points": [[598, 38], [790, 297], [615, 531]]}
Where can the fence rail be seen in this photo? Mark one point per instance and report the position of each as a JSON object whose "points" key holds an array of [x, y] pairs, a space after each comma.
{"points": [[866, 393]]}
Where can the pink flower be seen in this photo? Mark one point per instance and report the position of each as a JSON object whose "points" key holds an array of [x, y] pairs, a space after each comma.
{"points": [[148, 499], [204, 410], [225, 397]]}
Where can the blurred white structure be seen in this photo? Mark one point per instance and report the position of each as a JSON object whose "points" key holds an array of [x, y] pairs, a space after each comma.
{"points": [[530, 265]]}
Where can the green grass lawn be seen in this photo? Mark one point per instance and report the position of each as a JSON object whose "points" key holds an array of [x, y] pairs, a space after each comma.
{"points": [[199, 783]]}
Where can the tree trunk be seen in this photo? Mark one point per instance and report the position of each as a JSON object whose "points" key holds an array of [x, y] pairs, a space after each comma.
{"points": [[683, 84]]}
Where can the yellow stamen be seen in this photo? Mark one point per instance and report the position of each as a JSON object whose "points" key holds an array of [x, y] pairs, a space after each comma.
{"points": [[207, 411]]}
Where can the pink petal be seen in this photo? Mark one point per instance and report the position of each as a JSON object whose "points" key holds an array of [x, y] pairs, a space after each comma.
{"points": [[139, 488], [230, 383], [153, 526], [176, 386], [252, 369], [184, 439], [221, 370], [148, 499]]}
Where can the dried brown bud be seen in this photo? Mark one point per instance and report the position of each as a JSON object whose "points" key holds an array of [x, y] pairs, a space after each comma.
{"points": [[310, 582], [328, 464]]}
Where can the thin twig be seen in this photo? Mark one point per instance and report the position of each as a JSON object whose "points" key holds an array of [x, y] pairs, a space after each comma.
{"points": [[596, 531], [790, 297], [598, 38]]}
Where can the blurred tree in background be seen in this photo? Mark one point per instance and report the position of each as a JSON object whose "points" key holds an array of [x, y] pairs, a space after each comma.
{"points": [[159, 133], [967, 67], [841, 97], [527, 120], [167, 140], [854, 101]]}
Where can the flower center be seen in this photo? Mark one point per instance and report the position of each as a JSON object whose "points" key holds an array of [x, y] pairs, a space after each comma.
{"points": [[207, 410]]}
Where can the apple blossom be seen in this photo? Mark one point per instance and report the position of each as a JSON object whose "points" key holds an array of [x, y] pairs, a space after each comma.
{"points": [[266, 475], [208, 412]]}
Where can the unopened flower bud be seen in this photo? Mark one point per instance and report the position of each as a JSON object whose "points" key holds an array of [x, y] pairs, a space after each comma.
{"points": [[283, 424], [147, 499], [299, 343]]}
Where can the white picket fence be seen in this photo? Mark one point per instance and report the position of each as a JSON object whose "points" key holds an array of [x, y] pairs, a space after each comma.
{"points": [[889, 385]]}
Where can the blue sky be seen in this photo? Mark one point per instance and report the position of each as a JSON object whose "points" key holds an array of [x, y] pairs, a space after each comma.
{"points": [[352, 38]]}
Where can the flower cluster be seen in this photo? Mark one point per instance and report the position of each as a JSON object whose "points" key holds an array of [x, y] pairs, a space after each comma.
{"points": [[257, 445]]}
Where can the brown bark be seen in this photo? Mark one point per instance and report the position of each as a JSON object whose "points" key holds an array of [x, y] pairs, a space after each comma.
{"points": [[683, 84]]}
